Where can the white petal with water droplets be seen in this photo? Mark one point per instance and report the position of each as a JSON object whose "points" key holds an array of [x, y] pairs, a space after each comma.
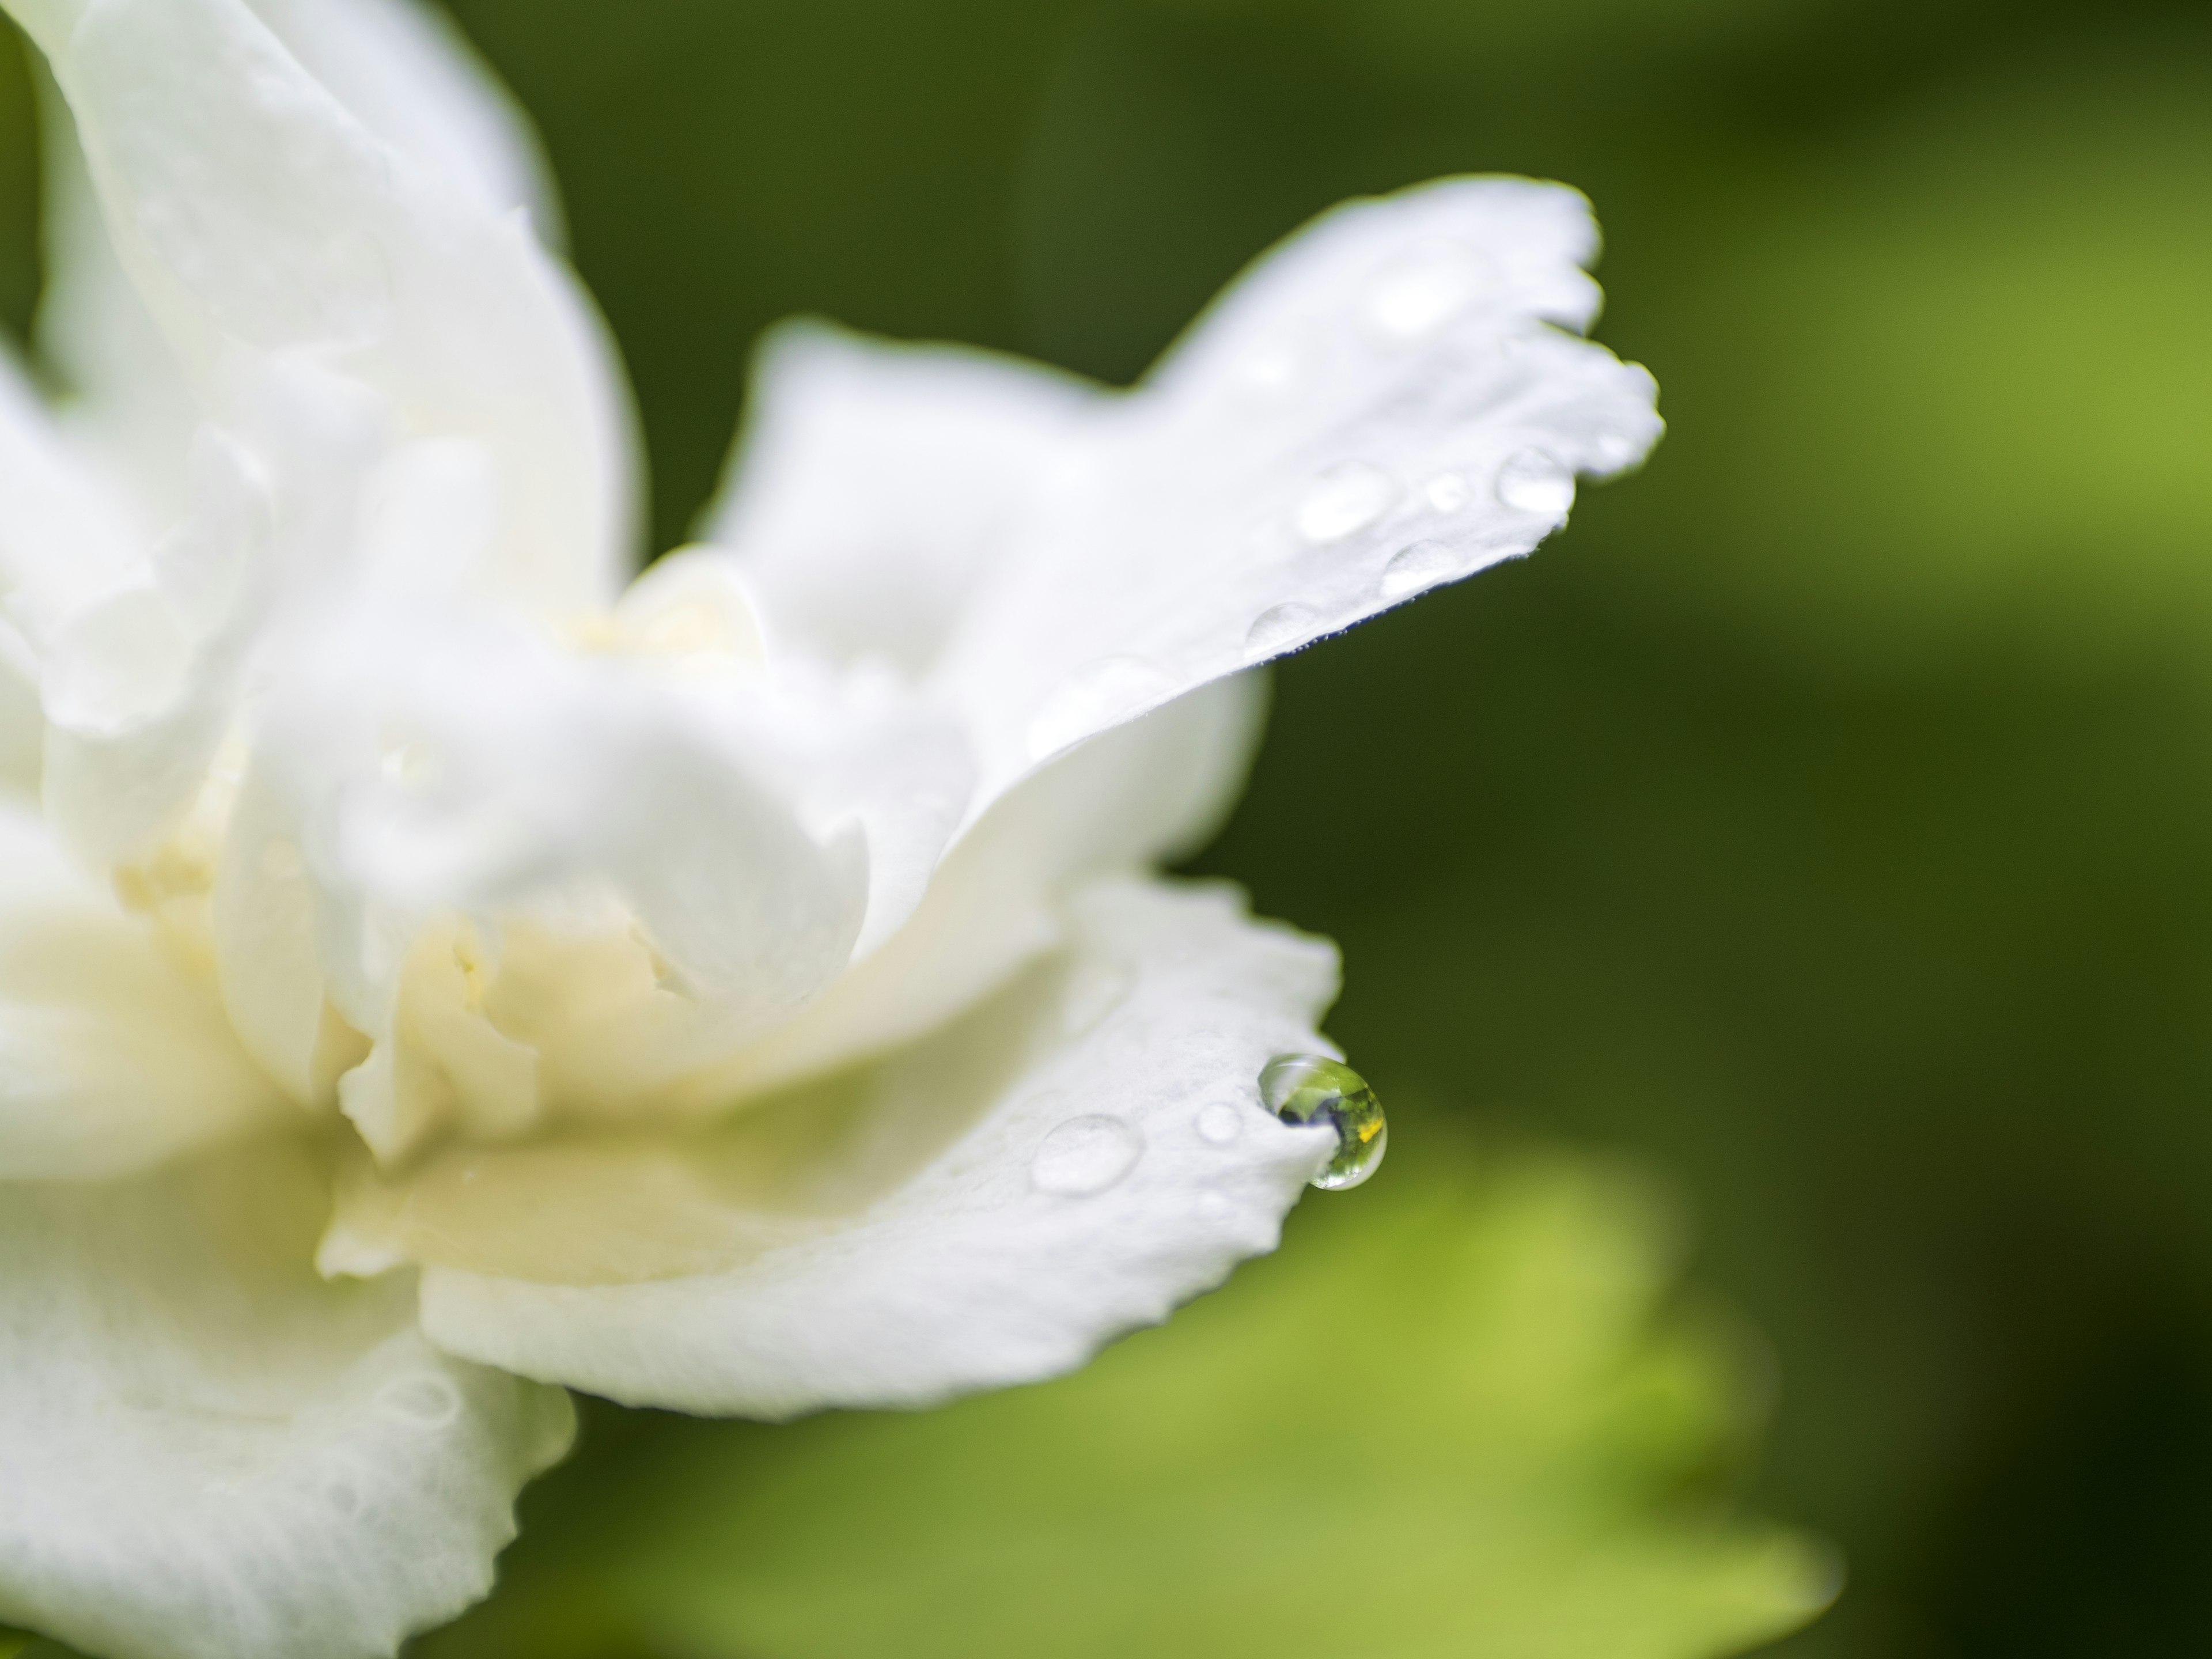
{"points": [[207, 1452], [931, 1226], [1402, 373]]}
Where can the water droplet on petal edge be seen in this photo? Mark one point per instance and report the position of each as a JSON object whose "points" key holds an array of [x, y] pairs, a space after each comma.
{"points": [[1343, 499], [1085, 1155], [1314, 1089], [1278, 627], [1417, 566], [1533, 482]]}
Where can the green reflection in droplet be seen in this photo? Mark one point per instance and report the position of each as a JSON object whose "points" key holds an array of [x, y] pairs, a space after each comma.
{"points": [[1314, 1089]]}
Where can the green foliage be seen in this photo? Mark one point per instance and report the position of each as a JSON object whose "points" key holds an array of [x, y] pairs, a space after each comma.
{"points": [[1461, 1413]]}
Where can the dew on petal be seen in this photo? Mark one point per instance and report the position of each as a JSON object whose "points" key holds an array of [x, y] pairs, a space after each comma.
{"points": [[1085, 1155], [1101, 696], [1278, 627], [1221, 1122], [423, 1402], [1270, 367], [1447, 492], [1343, 499], [1418, 566], [1419, 296], [1314, 1089], [1533, 482]]}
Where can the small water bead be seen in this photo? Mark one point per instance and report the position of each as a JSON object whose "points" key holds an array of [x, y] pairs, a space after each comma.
{"points": [[1221, 1122], [1278, 627], [1345, 499], [423, 1402], [1447, 492], [1418, 566], [1085, 1155], [1419, 297], [1314, 1089], [1532, 482]]}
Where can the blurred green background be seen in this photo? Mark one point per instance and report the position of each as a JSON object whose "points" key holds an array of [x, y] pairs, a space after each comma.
{"points": [[1823, 823]]}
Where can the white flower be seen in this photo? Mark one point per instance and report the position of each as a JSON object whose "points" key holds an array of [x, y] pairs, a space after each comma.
{"points": [[426, 964]]}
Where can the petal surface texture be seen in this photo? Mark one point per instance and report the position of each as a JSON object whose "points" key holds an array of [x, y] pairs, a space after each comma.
{"points": [[259, 210], [1073, 1159], [208, 1453]]}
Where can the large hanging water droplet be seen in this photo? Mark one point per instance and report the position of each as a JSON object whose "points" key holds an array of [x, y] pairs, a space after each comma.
{"points": [[1314, 1089], [1086, 1155], [1344, 499], [1532, 482]]}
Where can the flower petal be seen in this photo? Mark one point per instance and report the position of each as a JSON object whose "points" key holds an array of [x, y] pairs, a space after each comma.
{"points": [[256, 213], [876, 485], [405, 72], [1073, 1159], [208, 1453], [112, 1056], [1390, 401], [1149, 790]]}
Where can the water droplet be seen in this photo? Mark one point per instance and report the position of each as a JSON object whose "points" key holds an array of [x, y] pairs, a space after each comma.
{"points": [[1215, 1210], [1421, 294], [1344, 499], [1085, 1155], [1532, 482], [423, 1402], [1314, 1089], [344, 1497], [1418, 566], [1093, 991], [1446, 492], [1278, 627], [1270, 368], [1098, 697], [1221, 1122]]}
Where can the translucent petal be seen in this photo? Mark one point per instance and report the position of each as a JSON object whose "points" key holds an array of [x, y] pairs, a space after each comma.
{"points": [[256, 213], [207, 1452], [403, 70], [1388, 401], [986, 1208], [113, 1055]]}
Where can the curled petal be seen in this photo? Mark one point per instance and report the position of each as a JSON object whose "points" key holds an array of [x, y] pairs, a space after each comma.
{"points": [[255, 212], [1071, 1159], [206, 1452], [1392, 399], [877, 485], [1149, 790]]}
